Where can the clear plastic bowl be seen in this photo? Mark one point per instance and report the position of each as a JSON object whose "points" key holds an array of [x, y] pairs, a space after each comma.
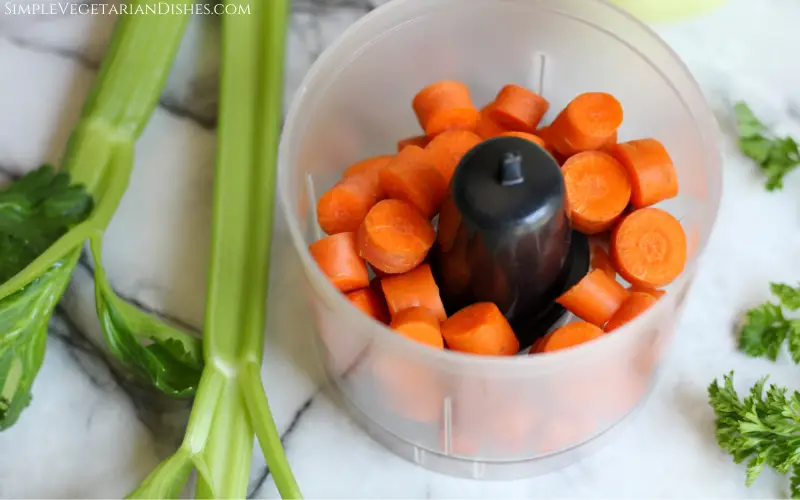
{"points": [[460, 414]]}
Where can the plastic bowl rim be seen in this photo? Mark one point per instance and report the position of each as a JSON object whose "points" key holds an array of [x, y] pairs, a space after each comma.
{"points": [[551, 360]]}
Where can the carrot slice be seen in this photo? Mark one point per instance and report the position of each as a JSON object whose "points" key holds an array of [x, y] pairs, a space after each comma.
{"points": [[370, 303], [570, 335], [449, 222], [488, 128], [598, 190], [337, 256], [372, 166], [445, 105], [395, 237], [480, 329], [610, 143], [526, 136], [342, 208], [412, 177], [648, 247], [418, 140], [519, 109], [634, 305], [655, 292], [446, 150], [415, 288], [601, 260], [586, 124], [595, 298], [419, 324], [650, 169]]}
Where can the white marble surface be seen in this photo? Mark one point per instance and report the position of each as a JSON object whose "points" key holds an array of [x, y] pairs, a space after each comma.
{"points": [[90, 433]]}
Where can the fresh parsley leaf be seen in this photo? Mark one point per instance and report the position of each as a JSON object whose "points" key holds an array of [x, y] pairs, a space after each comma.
{"points": [[762, 429], [34, 212], [776, 156], [787, 294], [766, 327]]}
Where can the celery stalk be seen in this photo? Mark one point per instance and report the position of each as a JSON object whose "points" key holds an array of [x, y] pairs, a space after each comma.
{"points": [[98, 161], [231, 404]]}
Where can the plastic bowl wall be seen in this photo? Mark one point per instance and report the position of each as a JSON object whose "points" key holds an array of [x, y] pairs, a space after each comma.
{"points": [[471, 415]]}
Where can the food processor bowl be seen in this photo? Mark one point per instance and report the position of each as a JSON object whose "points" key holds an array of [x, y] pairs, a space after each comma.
{"points": [[460, 414]]}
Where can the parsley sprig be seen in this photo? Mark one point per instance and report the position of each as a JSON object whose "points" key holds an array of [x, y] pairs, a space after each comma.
{"points": [[776, 156], [763, 428]]}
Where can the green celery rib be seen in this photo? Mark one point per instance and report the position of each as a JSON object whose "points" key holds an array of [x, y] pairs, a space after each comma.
{"points": [[129, 85], [270, 107]]}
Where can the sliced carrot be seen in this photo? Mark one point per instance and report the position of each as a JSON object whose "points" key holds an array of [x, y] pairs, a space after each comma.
{"points": [[545, 134], [395, 237], [488, 128], [449, 222], [598, 190], [445, 105], [570, 335], [601, 260], [526, 136], [412, 177], [655, 292], [480, 329], [342, 208], [419, 141], [371, 166], [648, 247], [420, 325], [634, 305], [415, 288], [337, 256], [370, 303], [446, 150], [610, 143], [595, 298], [650, 169], [519, 109], [586, 124]]}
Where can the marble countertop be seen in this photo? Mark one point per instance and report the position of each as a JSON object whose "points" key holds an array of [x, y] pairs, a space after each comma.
{"points": [[92, 433]]}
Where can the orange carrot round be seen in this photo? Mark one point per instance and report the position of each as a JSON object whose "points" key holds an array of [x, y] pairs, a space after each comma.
{"points": [[371, 166], [480, 329], [570, 335], [419, 141], [650, 168], [449, 222], [595, 298], [370, 303], [586, 124], [337, 256], [447, 149], [598, 190], [412, 177], [342, 208], [655, 292], [420, 325], [648, 247], [601, 260], [486, 127], [526, 136], [519, 109], [395, 237], [415, 288], [610, 143], [634, 305], [445, 105]]}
